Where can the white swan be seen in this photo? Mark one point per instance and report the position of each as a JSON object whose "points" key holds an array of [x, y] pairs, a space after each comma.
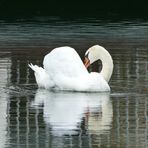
{"points": [[64, 70]]}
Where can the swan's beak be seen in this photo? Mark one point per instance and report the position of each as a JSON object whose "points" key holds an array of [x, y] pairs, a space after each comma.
{"points": [[86, 62]]}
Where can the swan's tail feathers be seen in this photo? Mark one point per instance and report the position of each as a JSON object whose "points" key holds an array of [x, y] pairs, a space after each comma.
{"points": [[31, 66], [38, 70], [35, 68], [42, 78]]}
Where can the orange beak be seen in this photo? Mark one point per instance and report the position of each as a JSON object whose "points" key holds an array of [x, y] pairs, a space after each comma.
{"points": [[86, 62]]}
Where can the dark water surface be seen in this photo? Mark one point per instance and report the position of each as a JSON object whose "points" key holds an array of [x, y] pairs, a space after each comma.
{"points": [[32, 118]]}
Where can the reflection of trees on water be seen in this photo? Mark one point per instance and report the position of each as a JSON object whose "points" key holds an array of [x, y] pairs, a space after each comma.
{"points": [[5, 64], [130, 121], [130, 70], [21, 73]]}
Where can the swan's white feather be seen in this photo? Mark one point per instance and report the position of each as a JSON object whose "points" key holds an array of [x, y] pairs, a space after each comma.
{"points": [[64, 61], [64, 70], [42, 78]]}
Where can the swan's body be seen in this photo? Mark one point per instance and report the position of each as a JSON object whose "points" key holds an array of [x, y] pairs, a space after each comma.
{"points": [[64, 70]]}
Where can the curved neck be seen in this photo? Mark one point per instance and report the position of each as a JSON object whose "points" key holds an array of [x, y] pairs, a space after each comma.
{"points": [[101, 53], [107, 66]]}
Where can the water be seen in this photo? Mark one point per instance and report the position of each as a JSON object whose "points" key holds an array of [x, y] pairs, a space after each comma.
{"points": [[35, 118]]}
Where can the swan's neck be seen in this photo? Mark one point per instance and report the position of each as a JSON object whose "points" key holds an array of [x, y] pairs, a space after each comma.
{"points": [[107, 62], [107, 66]]}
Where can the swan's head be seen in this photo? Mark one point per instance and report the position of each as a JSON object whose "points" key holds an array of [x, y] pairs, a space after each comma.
{"points": [[93, 54]]}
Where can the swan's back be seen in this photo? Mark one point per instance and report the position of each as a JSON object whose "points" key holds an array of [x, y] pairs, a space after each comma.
{"points": [[64, 61]]}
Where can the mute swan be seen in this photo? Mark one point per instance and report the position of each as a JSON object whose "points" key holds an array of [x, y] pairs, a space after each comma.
{"points": [[64, 70]]}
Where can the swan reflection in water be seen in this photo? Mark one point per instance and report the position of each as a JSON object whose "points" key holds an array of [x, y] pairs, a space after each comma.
{"points": [[64, 112]]}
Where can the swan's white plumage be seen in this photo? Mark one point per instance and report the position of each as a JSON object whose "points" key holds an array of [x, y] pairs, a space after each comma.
{"points": [[42, 78], [64, 61], [64, 70]]}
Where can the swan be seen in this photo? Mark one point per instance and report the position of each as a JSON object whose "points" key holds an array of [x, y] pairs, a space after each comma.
{"points": [[63, 69]]}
